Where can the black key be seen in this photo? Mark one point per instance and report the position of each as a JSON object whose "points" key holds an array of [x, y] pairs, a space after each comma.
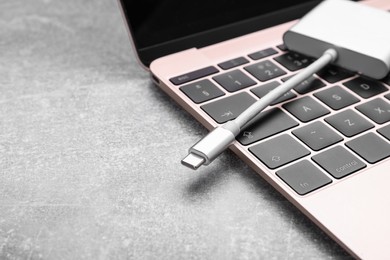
{"points": [[306, 109], [349, 123], [265, 70], [317, 135], [262, 90], [303, 177], [193, 75], [377, 110], [202, 91], [234, 80], [339, 162], [365, 88], [294, 61], [336, 97], [266, 124], [307, 85], [233, 63], [334, 74], [279, 151], [262, 54], [371, 147], [228, 108], [385, 131]]}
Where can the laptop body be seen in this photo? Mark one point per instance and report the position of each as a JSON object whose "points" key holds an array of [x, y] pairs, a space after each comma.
{"points": [[324, 145]]}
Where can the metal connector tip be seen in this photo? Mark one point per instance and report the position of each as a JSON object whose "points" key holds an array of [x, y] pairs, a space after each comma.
{"points": [[193, 161]]}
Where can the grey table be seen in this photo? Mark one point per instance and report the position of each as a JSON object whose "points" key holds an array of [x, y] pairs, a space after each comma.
{"points": [[90, 155]]}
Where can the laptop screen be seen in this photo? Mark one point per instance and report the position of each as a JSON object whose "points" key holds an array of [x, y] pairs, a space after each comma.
{"points": [[160, 27]]}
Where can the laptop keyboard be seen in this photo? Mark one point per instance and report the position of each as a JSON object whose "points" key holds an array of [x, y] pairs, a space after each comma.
{"points": [[332, 125]]}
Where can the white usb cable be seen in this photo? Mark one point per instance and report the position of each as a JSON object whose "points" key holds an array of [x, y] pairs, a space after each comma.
{"points": [[213, 144]]}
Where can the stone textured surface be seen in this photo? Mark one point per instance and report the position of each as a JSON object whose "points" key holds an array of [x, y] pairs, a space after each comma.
{"points": [[90, 155]]}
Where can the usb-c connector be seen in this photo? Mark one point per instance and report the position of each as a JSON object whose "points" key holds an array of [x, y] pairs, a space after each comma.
{"points": [[193, 161], [210, 146]]}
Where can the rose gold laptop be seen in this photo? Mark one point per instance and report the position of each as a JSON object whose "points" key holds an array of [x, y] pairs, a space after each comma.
{"points": [[325, 145]]}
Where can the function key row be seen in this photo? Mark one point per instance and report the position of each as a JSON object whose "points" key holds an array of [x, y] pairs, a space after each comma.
{"points": [[293, 62], [232, 63]]}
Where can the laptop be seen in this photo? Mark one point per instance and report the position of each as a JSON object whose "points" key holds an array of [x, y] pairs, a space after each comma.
{"points": [[325, 145]]}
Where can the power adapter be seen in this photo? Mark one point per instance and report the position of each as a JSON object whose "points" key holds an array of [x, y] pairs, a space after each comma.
{"points": [[348, 34], [359, 33]]}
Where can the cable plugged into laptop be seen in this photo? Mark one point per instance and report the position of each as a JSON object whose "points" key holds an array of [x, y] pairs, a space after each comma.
{"points": [[341, 32]]}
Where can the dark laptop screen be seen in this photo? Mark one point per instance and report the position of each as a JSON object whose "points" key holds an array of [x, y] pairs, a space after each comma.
{"points": [[160, 27]]}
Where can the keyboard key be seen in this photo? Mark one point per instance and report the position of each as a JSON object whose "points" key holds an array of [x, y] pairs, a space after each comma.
{"points": [[202, 91], [371, 147], [339, 162], [279, 151], [197, 74], [262, 54], [349, 123], [234, 80], [265, 70], [317, 135], [228, 108], [303, 177], [385, 131], [336, 97], [294, 61], [364, 87], [233, 63], [377, 110], [262, 90], [266, 124], [333, 74], [306, 109], [307, 85]]}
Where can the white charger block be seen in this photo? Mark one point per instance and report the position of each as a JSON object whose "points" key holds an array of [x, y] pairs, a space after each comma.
{"points": [[359, 33]]}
